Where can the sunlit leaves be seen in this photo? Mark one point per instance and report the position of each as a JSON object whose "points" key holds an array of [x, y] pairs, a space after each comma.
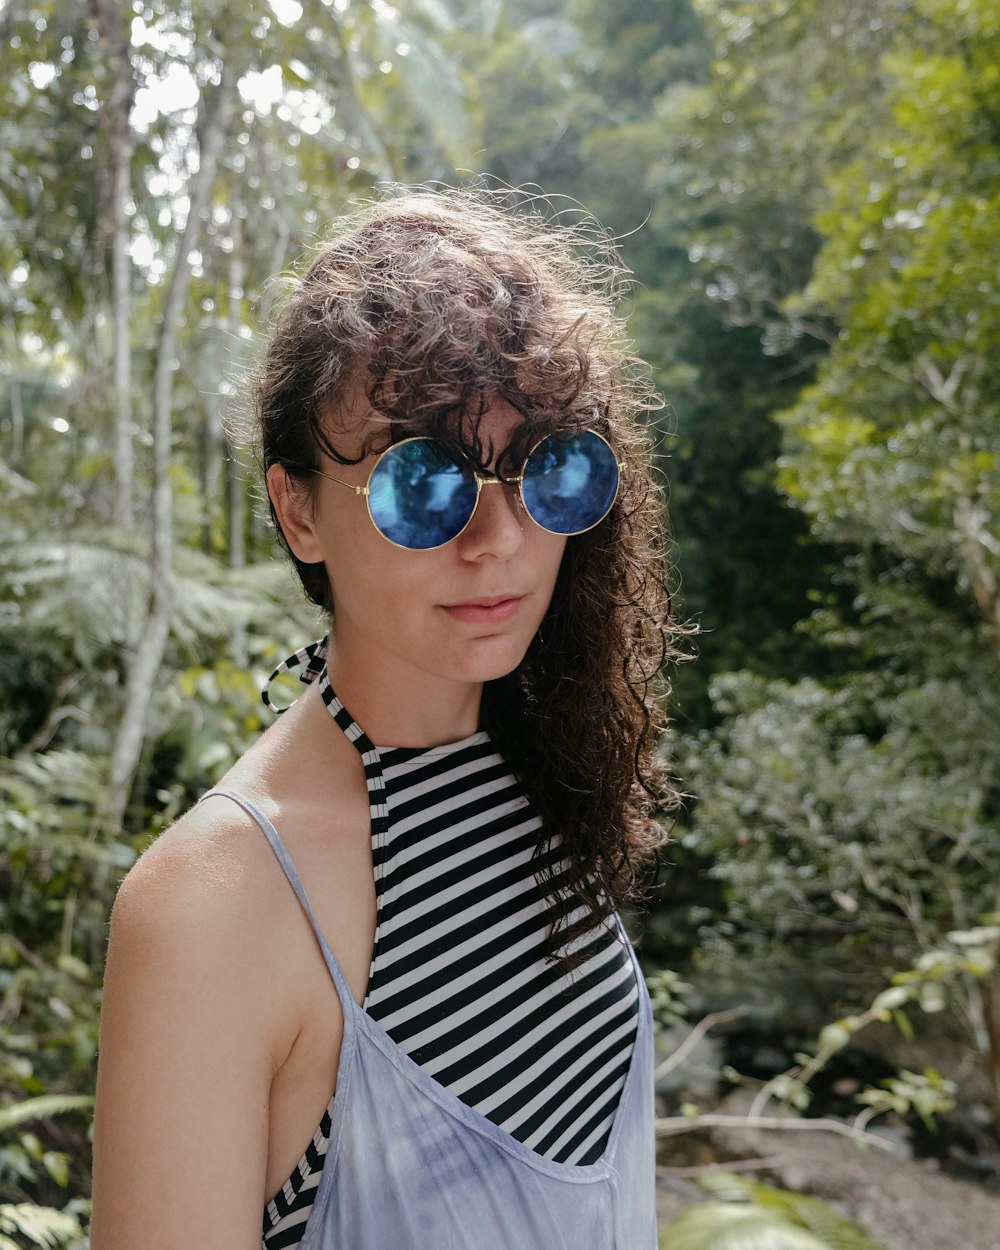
{"points": [[844, 821], [909, 268], [747, 1215], [37, 1226]]}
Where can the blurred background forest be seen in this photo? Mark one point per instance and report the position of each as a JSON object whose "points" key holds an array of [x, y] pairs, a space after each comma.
{"points": [[808, 192]]}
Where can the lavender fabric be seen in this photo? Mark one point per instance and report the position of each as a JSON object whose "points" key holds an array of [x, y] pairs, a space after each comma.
{"points": [[411, 1167]]}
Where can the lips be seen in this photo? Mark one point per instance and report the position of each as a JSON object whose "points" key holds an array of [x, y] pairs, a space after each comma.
{"points": [[490, 611]]}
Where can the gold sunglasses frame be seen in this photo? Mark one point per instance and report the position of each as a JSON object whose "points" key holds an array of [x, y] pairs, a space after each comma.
{"points": [[481, 480]]}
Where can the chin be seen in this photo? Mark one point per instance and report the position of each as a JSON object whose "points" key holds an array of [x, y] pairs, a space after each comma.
{"points": [[500, 671], [500, 664], [505, 669]]}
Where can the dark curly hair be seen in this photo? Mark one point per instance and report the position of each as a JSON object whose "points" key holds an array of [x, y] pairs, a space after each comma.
{"points": [[436, 303]]}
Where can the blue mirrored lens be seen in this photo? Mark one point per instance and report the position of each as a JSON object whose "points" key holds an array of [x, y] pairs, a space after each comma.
{"points": [[570, 482], [419, 497]]}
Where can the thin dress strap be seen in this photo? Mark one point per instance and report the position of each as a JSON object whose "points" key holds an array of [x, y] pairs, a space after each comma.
{"points": [[295, 881]]}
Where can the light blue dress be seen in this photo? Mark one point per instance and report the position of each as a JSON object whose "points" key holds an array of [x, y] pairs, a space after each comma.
{"points": [[410, 1167]]}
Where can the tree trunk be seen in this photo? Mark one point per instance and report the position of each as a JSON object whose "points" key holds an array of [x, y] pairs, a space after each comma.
{"points": [[989, 993], [121, 164], [120, 148], [211, 456], [145, 663], [236, 490], [17, 422]]}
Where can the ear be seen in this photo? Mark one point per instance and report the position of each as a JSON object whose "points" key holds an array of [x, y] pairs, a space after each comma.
{"points": [[292, 505]]}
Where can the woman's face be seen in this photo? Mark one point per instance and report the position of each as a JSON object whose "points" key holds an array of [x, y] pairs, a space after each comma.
{"points": [[464, 612]]}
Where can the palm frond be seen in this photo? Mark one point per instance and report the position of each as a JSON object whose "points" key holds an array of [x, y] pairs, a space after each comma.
{"points": [[67, 778], [749, 1215], [96, 582], [44, 1105], [804, 1210], [732, 1226], [40, 1226]]}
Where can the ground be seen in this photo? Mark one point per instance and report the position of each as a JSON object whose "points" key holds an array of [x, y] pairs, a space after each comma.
{"points": [[904, 1204]]}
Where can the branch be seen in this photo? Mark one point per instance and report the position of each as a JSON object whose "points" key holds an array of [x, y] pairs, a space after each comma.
{"points": [[694, 1037], [52, 722], [144, 663], [733, 1165], [672, 1126], [940, 388], [33, 959]]}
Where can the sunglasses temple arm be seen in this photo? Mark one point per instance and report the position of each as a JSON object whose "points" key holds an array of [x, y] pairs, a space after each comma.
{"points": [[358, 490]]}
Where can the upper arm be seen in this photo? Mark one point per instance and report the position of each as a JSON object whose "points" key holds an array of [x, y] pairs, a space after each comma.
{"points": [[186, 1058]]}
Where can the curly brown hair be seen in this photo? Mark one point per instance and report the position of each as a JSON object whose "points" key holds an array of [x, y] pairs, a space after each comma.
{"points": [[437, 303]]}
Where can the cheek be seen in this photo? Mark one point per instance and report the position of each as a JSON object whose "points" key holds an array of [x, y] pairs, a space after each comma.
{"points": [[374, 579], [352, 545], [550, 558], [558, 559]]}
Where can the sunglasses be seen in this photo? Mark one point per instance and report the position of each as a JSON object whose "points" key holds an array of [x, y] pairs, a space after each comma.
{"points": [[420, 498]]}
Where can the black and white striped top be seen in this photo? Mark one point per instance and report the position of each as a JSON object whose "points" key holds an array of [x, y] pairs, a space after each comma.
{"points": [[459, 977]]}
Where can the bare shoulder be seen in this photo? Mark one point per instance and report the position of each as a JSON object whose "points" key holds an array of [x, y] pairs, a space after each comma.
{"points": [[213, 873], [193, 1026], [209, 901], [207, 869], [204, 908], [210, 886], [202, 1023]]}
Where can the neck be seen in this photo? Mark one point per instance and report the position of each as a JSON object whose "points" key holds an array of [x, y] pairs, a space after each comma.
{"points": [[411, 709]]}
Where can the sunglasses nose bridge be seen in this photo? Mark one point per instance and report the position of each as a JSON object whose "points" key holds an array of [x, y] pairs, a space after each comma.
{"points": [[483, 479], [490, 479]]}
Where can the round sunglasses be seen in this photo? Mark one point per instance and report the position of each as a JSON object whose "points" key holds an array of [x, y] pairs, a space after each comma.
{"points": [[420, 498]]}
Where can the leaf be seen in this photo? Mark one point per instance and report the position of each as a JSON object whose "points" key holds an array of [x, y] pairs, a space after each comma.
{"points": [[38, 1108], [834, 1037], [932, 998], [727, 1226], [890, 999], [42, 1226], [902, 1022], [56, 1163], [981, 936], [790, 1215]]}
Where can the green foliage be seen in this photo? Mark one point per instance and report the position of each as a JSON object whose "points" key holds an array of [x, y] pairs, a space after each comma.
{"points": [[894, 451], [924, 1093], [808, 193], [35, 1108], [211, 716], [858, 819], [748, 1215], [58, 883], [667, 994], [967, 955], [39, 1226], [859, 815]]}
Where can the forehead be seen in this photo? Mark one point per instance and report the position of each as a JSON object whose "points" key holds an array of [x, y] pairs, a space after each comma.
{"points": [[492, 432]]}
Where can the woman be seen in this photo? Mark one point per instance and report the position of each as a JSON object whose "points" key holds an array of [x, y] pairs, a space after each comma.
{"points": [[375, 983]]}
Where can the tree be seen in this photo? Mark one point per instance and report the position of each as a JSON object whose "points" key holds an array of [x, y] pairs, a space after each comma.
{"points": [[163, 163], [596, 104], [865, 814]]}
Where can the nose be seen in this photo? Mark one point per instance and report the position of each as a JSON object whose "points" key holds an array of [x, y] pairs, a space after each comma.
{"points": [[496, 528]]}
